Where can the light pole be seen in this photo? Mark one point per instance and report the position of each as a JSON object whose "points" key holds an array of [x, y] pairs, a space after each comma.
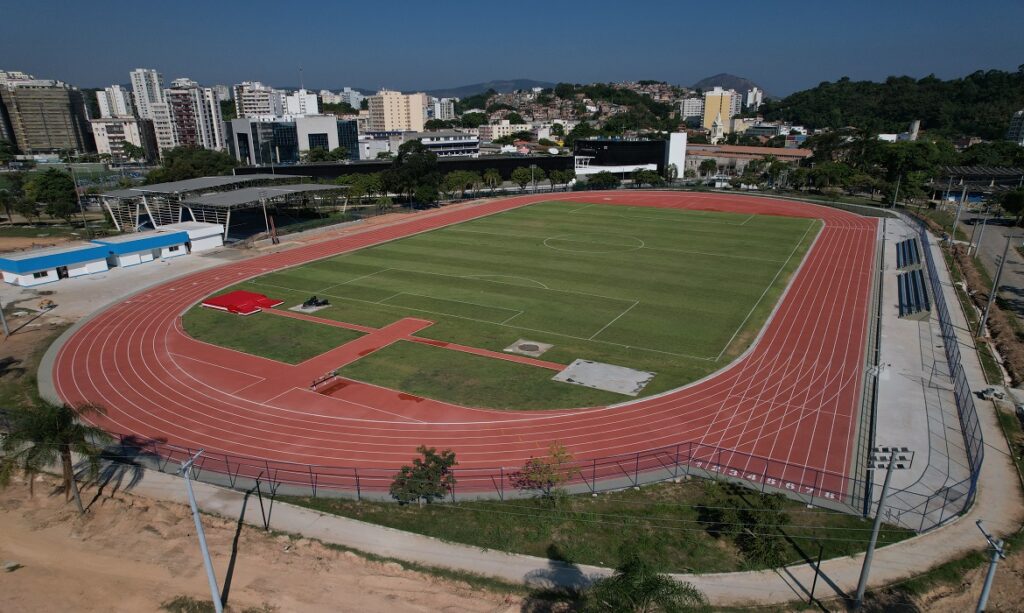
{"points": [[78, 197], [186, 470], [869, 555], [263, 203], [998, 553], [995, 287]]}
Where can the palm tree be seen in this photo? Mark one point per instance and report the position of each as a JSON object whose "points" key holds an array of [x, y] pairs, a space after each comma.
{"points": [[49, 432], [492, 178], [636, 587]]}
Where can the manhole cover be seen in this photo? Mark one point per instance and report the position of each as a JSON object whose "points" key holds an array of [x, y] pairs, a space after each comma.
{"points": [[525, 346], [528, 347]]}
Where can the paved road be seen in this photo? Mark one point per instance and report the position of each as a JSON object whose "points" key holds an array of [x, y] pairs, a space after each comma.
{"points": [[993, 241]]}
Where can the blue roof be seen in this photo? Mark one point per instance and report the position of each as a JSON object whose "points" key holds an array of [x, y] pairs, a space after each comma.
{"points": [[25, 262], [131, 243]]}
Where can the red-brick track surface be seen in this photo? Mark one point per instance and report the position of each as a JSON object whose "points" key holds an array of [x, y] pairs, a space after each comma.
{"points": [[791, 400]]}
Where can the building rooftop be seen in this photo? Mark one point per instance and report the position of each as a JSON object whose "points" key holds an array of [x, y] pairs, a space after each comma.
{"points": [[252, 195], [193, 185], [45, 251]]}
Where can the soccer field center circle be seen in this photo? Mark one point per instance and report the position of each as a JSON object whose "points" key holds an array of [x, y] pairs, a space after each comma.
{"points": [[788, 405]]}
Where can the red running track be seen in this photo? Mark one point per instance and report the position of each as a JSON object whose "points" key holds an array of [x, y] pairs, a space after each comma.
{"points": [[791, 400]]}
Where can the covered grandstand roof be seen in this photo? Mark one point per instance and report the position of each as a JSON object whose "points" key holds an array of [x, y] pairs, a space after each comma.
{"points": [[251, 195], [194, 185]]}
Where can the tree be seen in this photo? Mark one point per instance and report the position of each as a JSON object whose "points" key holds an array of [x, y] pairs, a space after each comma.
{"points": [[56, 191], [708, 167], [416, 166], [1013, 203], [319, 154], [26, 209], [545, 475], [649, 177], [425, 194], [7, 152], [492, 178], [554, 178], [637, 587], [557, 129], [133, 152], [428, 478], [183, 163], [603, 180], [521, 177], [473, 120], [515, 118], [536, 176], [385, 155], [42, 435]]}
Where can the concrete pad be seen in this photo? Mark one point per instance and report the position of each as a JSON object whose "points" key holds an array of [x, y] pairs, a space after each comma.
{"points": [[528, 347], [607, 377], [301, 309]]}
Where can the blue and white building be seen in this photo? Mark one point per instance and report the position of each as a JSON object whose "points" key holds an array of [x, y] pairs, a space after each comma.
{"points": [[137, 248], [38, 266]]}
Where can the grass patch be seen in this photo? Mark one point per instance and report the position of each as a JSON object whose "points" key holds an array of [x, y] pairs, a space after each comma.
{"points": [[989, 363], [679, 293], [278, 338], [188, 604], [944, 219], [470, 380], [18, 379], [591, 530]]}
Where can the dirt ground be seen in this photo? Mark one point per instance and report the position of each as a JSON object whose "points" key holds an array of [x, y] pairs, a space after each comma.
{"points": [[19, 243], [131, 554]]}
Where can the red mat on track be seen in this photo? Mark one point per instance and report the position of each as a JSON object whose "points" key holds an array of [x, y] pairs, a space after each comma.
{"points": [[241, 302]]}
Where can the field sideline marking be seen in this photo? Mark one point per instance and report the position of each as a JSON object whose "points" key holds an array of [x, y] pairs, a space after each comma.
{"points": [[485, 306], [484, 321], [628, 309], [765, 292]]}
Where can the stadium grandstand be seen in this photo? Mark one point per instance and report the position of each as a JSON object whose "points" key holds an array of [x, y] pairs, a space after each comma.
{"points": [[214, 200]]}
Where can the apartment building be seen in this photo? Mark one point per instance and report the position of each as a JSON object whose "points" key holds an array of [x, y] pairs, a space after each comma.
{"points": [[44, 116], [492, 132], [253, 99], [392, 111], [111, 134], [115, 101]]}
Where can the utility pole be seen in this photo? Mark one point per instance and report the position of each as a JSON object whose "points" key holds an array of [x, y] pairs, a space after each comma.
{"points": [[896, 195], [981, 235], [995, 287], [865, 570], [78, 197], [3, 320], [959, 208], [186, 472], [266, 221], [998, 553]]}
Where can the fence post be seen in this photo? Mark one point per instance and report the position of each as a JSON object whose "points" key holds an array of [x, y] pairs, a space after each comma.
{"points": [[452, 471], [312, 480], [501, 491], [359, 489], [593, 477], [636, 471], [675, 467]]}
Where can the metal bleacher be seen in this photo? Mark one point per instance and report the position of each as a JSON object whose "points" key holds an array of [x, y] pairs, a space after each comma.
{"points": [[913, 295], [908, 253]]}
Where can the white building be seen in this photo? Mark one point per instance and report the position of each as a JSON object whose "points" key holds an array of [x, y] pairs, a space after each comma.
{"points": [[352, 97], [253, 99], [755, 98], [371, 147], [447, 143], [148, 88], [735, 104], [115, 101], [111, 134], [13, 76], [444, 108], [692, 107], [329, 97], [301, 103], [183, 83], [223, 91]]}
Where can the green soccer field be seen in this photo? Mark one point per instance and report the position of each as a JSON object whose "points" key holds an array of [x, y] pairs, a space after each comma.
{"points": [[679, 293]]}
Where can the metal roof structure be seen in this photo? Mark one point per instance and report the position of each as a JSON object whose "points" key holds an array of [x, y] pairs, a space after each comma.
{"points": [[253, 195], [34, 260], [194, 185]]}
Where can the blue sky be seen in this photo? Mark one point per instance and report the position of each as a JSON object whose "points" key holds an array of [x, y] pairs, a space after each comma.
{"points": [[784, 45]]}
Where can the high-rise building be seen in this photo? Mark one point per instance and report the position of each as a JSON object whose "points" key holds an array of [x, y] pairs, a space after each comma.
{"points": [[254, 99], [265, 140], [692, 107], [444, 108], [329, 97], [195, 115], [45, 116], [1016, 131], [115, 101], [718, 103], [754, 99], [223, 92], [111, 134], [163, 125], [301, 102], [392, 111], [148, 87]]}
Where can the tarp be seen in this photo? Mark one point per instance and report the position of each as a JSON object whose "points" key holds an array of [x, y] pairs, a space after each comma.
{"points": [[241, 302]]}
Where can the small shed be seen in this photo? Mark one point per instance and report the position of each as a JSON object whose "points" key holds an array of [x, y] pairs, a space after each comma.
{"points": [[202, 236], [38, 266], [131, 249]]}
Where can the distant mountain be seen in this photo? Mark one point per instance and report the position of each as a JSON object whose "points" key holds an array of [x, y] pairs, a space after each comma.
{"points": [[502, 87], [726, 81]]}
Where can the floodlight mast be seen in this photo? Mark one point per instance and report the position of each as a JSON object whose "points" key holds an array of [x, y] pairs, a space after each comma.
{"points": [[186, 470]]}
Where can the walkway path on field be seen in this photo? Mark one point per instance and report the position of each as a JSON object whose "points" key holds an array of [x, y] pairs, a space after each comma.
{"points": [[999, 504]]}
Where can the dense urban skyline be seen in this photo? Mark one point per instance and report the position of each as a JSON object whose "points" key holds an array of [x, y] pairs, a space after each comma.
{"points": [[426, 48]]}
